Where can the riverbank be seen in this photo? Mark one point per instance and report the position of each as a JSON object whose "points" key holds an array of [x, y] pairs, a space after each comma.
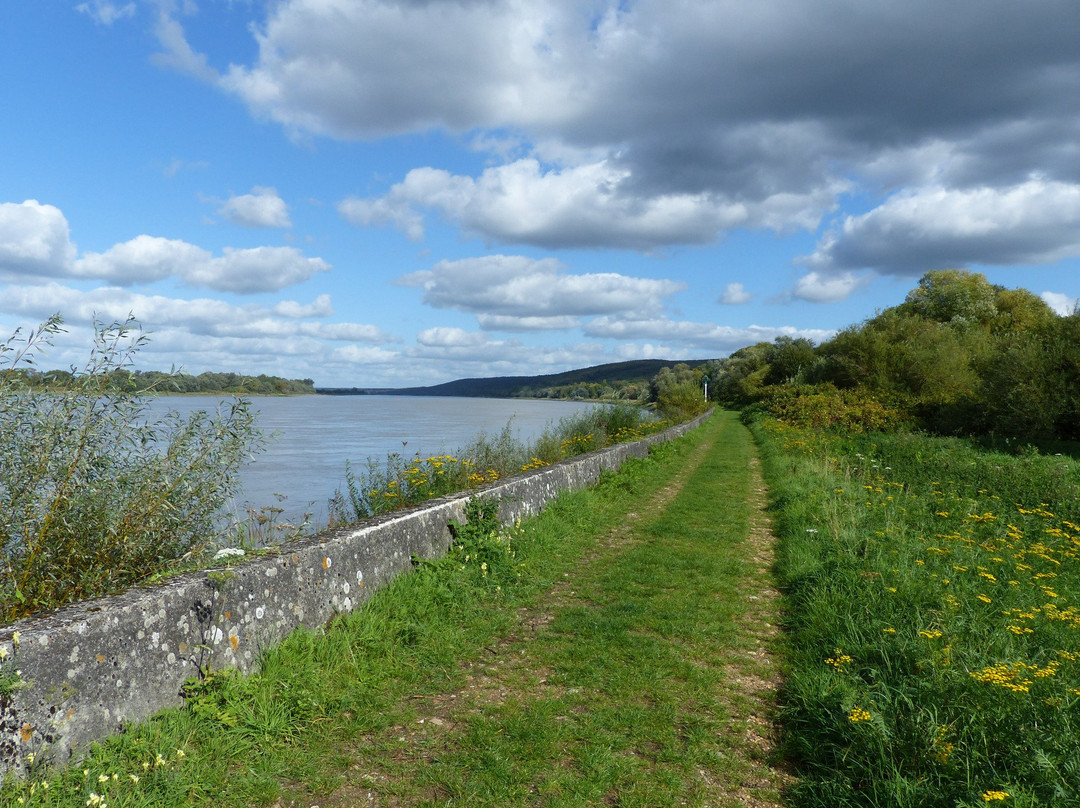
{"points": [[618, 646]]}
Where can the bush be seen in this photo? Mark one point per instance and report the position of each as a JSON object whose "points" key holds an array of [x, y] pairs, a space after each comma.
{"points": [[825, 407], [399, 483], [95, 497]]}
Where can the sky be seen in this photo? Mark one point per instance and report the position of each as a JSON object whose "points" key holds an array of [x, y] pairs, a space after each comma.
{"points": [[382, 193]]}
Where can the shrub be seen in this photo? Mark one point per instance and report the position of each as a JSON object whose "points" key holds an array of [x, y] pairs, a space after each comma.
{"points": [[94, 496], [398, 482], [825, 407]]}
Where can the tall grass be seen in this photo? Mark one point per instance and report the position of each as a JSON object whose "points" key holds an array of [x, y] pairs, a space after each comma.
{"points": [[94, 495], [934, 606], [400, 482]]}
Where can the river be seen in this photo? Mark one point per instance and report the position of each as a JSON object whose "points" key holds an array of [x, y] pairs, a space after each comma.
{"points": [[311, 437]]}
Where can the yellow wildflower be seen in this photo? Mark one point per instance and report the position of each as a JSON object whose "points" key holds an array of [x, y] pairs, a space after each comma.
{"points": [[858, 714]]}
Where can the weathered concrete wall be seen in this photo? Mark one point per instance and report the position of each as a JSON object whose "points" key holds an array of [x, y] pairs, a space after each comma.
{"points": [[91, 668]]}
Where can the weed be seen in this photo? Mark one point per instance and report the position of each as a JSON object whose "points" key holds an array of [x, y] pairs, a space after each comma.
{"points": [[94, 496], [400, 482], [933, 602]]}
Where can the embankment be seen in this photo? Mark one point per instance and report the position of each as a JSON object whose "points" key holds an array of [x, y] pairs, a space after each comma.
{"points": [[88, 670]]}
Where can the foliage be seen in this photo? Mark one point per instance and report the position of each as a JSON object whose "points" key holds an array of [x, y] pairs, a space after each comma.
{"points": [[400, 482], [932, 593], [127, 380], [94, 496], [678, 391], [825, 407], [958, 356]]}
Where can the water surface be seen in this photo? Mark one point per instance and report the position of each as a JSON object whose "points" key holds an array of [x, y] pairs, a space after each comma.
{"points": [[313, 436]]}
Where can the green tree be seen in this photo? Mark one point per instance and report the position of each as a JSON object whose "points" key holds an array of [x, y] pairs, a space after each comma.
{"points": [[954, 296]]}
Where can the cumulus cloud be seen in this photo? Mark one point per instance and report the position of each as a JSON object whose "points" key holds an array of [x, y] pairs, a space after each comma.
{"points": [[502, 322], [35, 243], [1034, 222], [319, 307], [145, 259], [735, 294], [382, 212], [258, 269], [199, 316], [177, 53], [780, 106], [261, 208], [702, 337], [822, 287], [1060, 303], [589, 205], [512, 286], [374, 67], [34, 240]]}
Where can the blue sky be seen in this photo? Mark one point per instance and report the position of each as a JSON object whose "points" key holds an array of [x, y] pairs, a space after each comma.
{"points": [[397, 192]]}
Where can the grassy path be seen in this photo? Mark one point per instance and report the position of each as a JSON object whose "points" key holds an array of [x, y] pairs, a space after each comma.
{"points": [[643, 677], [619, 649]]}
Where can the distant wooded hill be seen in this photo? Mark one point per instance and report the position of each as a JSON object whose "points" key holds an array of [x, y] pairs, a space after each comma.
{"points": [[616, 380]]}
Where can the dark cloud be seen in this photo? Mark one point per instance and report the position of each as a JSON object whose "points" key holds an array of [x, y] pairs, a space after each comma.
{"points": [[698, 116]]}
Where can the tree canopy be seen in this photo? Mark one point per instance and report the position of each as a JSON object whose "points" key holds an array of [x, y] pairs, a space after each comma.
{"points": [[959, 356]]}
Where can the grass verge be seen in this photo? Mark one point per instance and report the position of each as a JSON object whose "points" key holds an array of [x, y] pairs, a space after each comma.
{"points": [[590, 656], [933, 604]]}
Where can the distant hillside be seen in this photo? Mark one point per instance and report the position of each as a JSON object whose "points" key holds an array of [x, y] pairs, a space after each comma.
{"points": [[615, 374]]}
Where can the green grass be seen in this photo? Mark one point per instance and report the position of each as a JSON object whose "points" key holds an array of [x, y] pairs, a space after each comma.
{"points": [[581, 658], [933, 592]]}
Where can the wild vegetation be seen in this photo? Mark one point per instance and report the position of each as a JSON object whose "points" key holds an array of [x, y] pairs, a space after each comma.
{"points": [[960, 356], [94, 495], [399, 482], [933, 610], [927, 508]]}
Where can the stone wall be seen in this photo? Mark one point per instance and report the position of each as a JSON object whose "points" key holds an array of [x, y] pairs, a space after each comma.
{"points": [[91, 668]]}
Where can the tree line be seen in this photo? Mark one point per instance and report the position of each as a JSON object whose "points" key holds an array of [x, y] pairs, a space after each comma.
{"points": [[960, 356], [125, 380]]}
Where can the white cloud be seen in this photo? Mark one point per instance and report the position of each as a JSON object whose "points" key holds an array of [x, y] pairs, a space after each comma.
{"points": [[819, 287], [502, 322], [261, 208], [106, 13], [735, 294], [177, 53], [34, 240], [258, 269], [671, 122], [382, 212], [1034, 222], [702, 338], [365, 68], [589, 205], [145, 259], [521, 287], [35, 244], [447, 337], [285, 328], [1060, 303], [365, 357], [346, 332], [320, 307]]}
